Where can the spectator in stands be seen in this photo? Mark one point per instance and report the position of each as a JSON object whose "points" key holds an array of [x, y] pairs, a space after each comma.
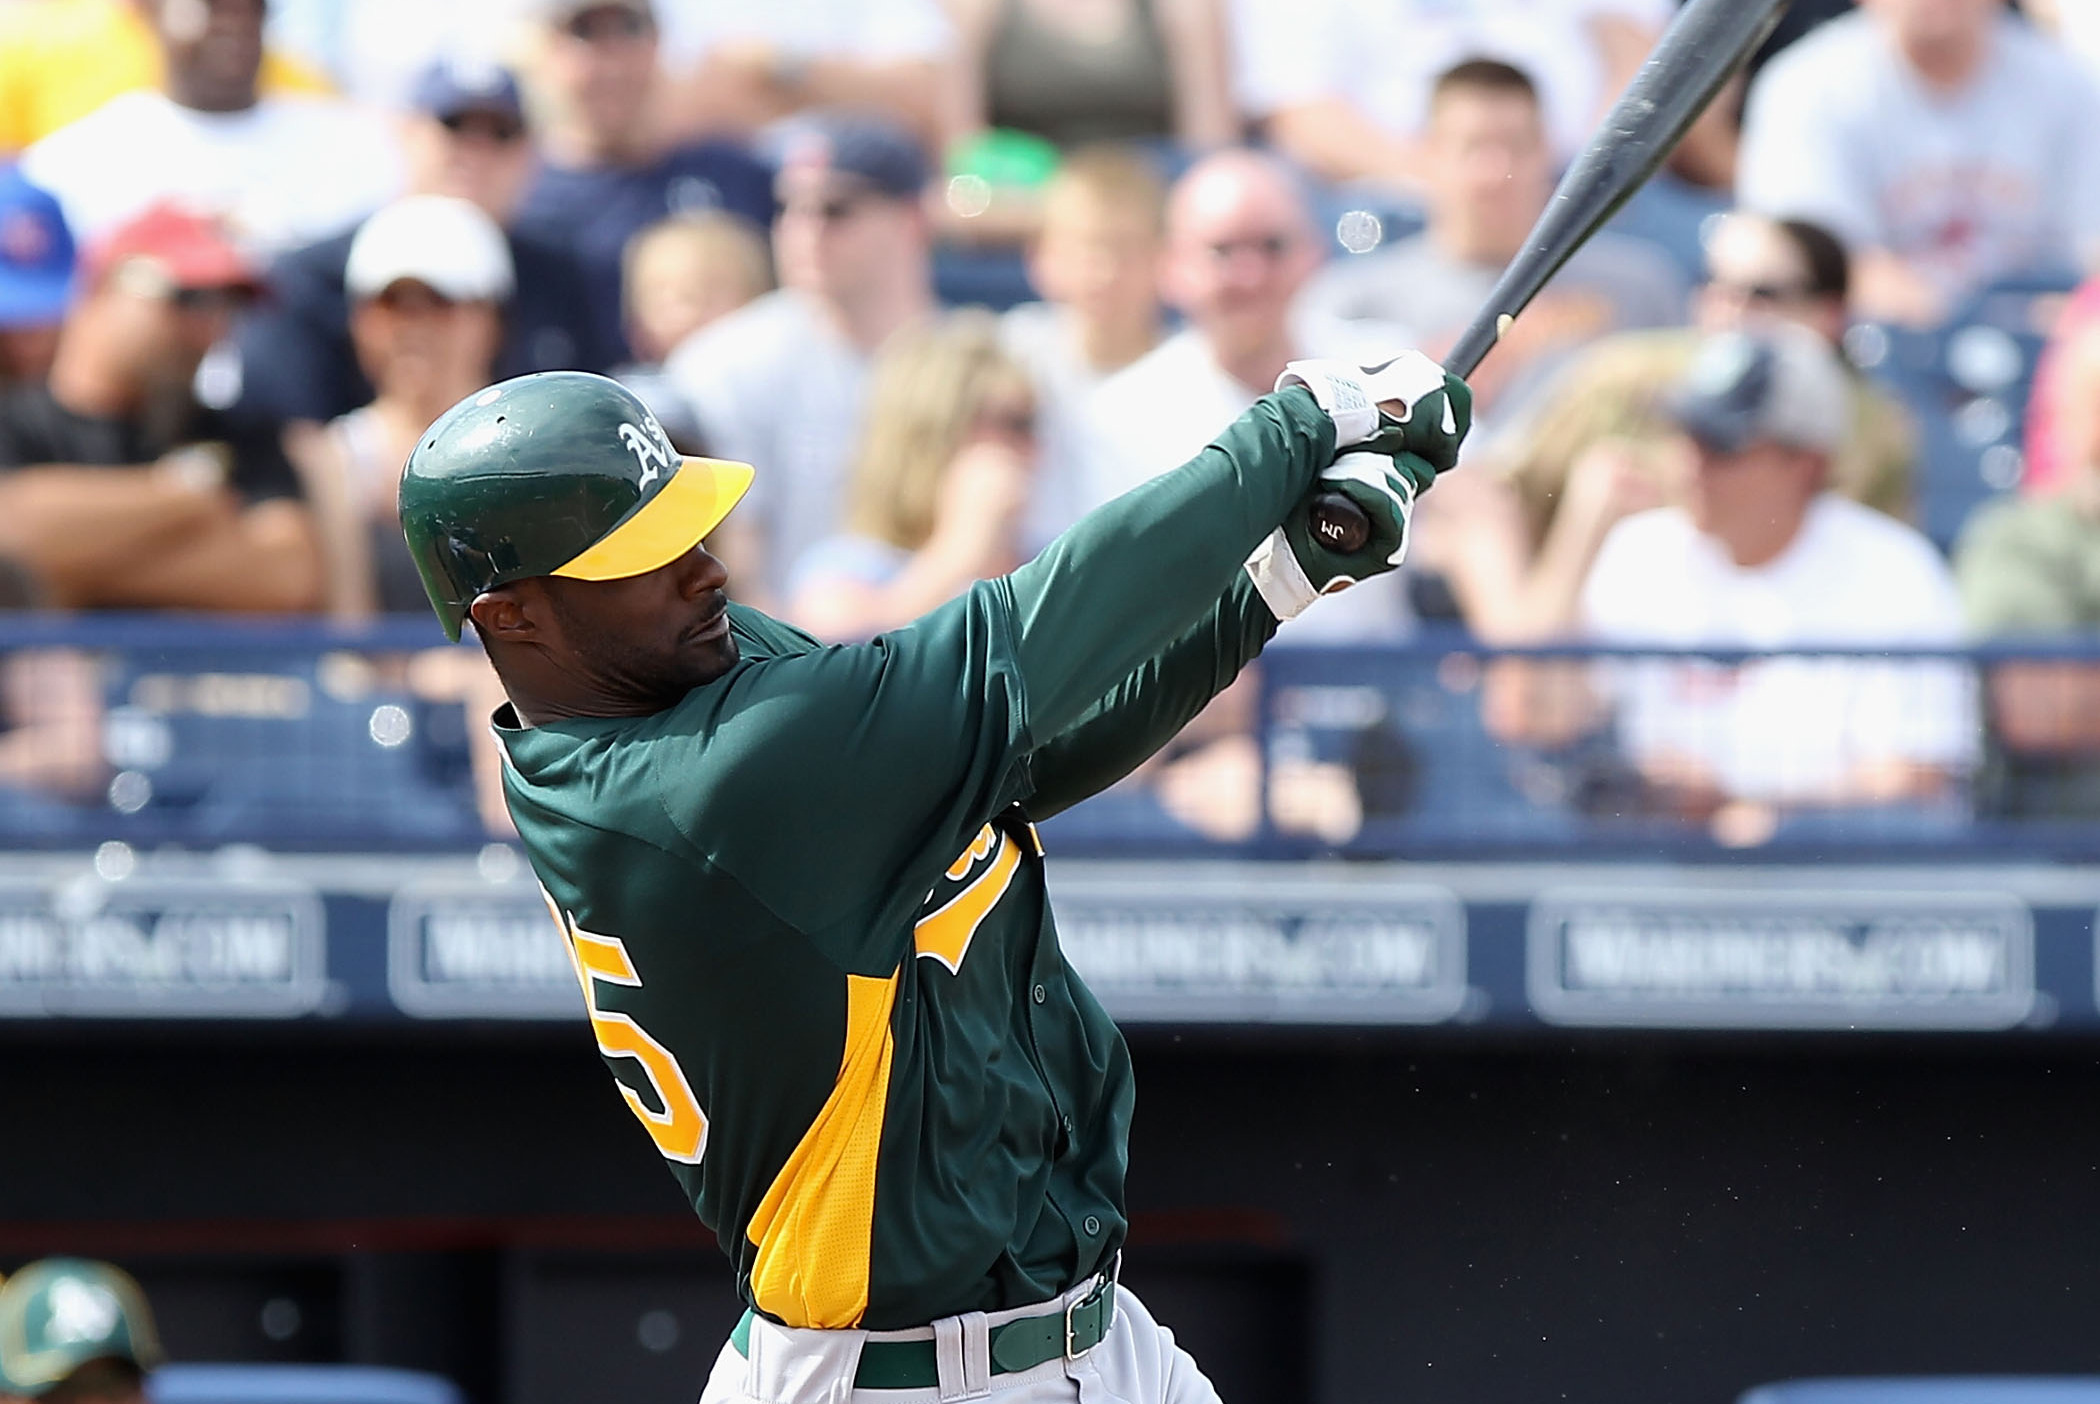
{"points": [[1240, 245], [1488, 173], [1943, 140], [76, 1332], [1344, 86], [429, 278], [62, 59], [1763, 556], [280, 170], [466, 137], [744, 67], [36, 278], [2054, 384], [940, 483], [1096, 264], [608, 168], [2029, 568], [687, 271], [1126, 70], [119, 489], [1596, 445], [781, 382], [679, 275]]}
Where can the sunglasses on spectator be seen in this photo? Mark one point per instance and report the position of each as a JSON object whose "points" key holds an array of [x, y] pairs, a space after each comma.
{"points": [[836, 209], [1014, 421], [1269, 246], [1761, 292], [226, 300], [407, 295], [606, 22], [493, 125]]}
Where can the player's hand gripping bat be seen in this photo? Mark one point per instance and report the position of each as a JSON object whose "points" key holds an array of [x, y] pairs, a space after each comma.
{"points": [[1706, 43]]}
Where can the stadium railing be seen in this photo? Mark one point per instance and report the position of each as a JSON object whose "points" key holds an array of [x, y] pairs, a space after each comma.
{"points": [[306, 737]]}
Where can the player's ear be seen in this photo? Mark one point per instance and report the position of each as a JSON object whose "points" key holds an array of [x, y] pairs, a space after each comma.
{"points": [[503, 615]]}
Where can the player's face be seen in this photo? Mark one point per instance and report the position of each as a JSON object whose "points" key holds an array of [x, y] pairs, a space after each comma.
{"points": [[647, 640]]}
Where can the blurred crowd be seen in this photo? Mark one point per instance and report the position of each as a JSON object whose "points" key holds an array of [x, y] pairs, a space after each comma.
{"points": [[248, 252]]}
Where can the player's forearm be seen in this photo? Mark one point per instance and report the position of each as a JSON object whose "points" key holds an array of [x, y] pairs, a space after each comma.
{"points": [[1151, 706], [1136, 574]]}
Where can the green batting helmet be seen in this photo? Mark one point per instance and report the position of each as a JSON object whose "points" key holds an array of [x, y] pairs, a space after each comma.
{"points": [[560, 473], [58, 1314]]}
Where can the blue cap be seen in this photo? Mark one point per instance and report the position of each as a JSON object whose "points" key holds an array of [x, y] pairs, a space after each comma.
{"points": [[869, 148], [36, 254], [452, 86]]}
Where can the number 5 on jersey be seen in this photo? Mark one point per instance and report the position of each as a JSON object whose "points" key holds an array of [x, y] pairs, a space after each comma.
{"points": [[676, 1124]]}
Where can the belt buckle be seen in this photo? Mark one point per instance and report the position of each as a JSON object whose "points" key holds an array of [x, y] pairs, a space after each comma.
{"points": [[1103, 1282], [1071, 1336]]}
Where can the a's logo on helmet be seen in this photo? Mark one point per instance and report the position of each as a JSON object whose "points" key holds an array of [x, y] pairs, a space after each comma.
{"points": [[652, 446]]}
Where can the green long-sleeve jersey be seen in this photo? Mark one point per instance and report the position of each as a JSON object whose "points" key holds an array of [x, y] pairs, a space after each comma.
{"points": [[806, 903]]}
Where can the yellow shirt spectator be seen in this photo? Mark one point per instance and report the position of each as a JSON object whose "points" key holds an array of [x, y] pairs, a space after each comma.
{"points": [[62, 59]]}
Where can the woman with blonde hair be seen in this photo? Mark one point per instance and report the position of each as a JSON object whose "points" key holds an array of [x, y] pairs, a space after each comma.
{"points": [[940, 482]]}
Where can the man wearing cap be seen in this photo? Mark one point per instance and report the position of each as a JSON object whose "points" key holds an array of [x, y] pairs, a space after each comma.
{"points": [[781, 380], [281, 169], [1763, 556], [801, 885], [467, 137], [36, 278], [607, 168], [75, 1332], [117, 488]]}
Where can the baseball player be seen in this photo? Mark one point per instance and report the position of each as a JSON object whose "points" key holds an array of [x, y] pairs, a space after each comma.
{"points": [[801, 885]]}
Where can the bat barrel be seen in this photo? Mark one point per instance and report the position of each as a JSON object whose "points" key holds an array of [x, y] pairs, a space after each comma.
{"points": [[1704, 45]]}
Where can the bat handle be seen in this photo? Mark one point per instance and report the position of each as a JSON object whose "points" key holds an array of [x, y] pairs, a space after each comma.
{"points": [[1339, 524]]}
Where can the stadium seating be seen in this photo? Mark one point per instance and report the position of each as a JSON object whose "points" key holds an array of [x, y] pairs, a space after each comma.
{"points": [[298, 1384]]}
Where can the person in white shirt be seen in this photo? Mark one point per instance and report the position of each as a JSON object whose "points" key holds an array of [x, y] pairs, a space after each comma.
{"points": [[1944, 140], [1763, 557], [781, 381], [1240, 246], [279, 171], [1344, 85]]}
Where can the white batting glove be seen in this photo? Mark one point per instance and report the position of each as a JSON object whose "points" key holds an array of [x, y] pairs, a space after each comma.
{"points": [[1351, 394]]}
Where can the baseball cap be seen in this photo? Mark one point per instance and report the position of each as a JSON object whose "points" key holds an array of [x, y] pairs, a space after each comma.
{"points": [[453, 86], [36, 254], [446, 243], [1783, 384], [184, 248], [871, 149], [58, 1314]]}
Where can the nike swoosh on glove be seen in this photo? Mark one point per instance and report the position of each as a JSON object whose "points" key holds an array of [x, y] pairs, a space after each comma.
{"points": [[1428, 410]]}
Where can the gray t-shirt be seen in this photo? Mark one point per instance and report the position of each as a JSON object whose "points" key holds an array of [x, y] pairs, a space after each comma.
{"points": [[774, 384], [1412, 283], [1999, 178]]}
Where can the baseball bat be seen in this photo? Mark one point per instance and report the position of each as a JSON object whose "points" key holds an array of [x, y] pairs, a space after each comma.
{"points": [[1706, 43]]}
